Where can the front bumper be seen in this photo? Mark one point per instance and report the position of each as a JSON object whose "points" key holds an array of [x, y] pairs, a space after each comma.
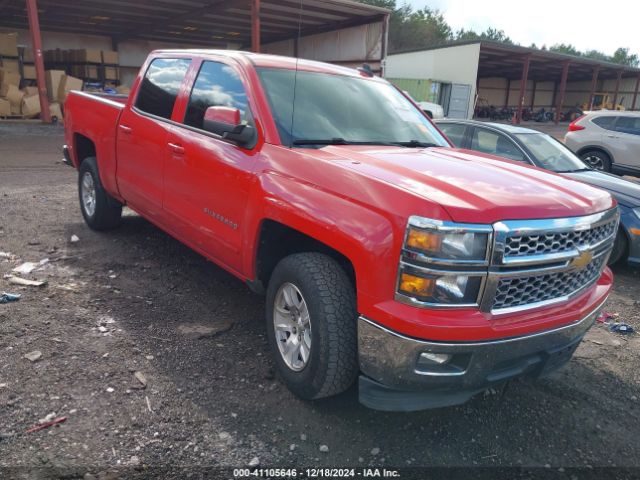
{"points": [[397, 378]]}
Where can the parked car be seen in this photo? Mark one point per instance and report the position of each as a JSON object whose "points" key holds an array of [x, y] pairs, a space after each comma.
{"points": [[544, 151], [385, 255], [433, 110], [607, 140]]}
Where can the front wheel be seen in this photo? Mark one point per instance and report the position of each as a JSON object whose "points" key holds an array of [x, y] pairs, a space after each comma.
{"points": [[597, 159], [99, 209], [619, 248], [312, 325]]}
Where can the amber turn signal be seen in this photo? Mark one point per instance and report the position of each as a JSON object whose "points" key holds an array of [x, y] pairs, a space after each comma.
{"points": [[416, 285], [424, 240]]}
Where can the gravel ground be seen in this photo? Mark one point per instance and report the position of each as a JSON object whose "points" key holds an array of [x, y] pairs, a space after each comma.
{"points": [[158, 359]]}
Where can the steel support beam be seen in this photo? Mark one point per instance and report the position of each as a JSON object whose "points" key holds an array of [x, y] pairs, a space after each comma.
{"points": [[617, 91], [506, 97], [523, 87], [36, 40], [385, 44], [594, 82], [635, 93], [563, 88], [255, 26]]}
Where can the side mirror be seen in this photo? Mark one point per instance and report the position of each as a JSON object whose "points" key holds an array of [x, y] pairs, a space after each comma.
{"points": [[226, 122]]}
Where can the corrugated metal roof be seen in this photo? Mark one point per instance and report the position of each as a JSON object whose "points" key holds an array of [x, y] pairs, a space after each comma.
{"points": [[198, 22]]}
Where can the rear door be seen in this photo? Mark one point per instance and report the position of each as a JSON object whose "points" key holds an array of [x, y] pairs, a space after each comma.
{"points": [[626, 142], [142, 134], [207, 179]]}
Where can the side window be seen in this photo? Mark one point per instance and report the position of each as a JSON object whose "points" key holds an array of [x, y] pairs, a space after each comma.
{"points": [[605, 122], [628, 125], [160, 86], [454, 132], [217, 85], [495, 144]]}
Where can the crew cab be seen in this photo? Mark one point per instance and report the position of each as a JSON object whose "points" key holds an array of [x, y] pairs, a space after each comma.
{"points": [[424, 272]]}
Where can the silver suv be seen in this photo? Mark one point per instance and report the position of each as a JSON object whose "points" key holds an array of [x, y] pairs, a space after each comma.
{"points": [[607, 140]]}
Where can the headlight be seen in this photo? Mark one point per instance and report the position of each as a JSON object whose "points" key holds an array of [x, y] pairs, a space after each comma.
{"points": [[443, 263], [443, 289], [466, 243]]}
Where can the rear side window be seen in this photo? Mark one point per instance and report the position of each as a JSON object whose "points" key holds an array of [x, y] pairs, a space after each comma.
{"points": [[160, 86], [605, 122], [628, 125], [217, 85], [454, 132]]}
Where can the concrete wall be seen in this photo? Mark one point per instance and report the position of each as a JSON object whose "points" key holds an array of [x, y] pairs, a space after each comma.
{"points": [[448, 65]]}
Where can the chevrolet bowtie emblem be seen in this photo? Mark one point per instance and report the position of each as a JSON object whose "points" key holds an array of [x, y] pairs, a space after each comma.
{"points": [[582, 260]]}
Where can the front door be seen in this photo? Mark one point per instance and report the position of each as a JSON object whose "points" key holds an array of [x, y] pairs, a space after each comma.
{"points": [[207, 179], [142, 135]]}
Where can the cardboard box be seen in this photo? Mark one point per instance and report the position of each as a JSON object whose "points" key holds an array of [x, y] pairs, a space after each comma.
{"points": [[5, 108], [123, 90], [110, 58], [56, 111], [4, 89], [88, 56], [31, 106], [11, 65], [27, 55], [111, 73], [29, 72], [67, 84], [11, 78], [9, 44], [30, 91], [53, 79], [14, 96]]}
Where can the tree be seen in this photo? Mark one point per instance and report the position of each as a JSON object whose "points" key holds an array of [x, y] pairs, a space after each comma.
{"points": [[567, 49], [622, 57]]}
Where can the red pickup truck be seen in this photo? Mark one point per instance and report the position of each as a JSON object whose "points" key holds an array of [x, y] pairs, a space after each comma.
{"points": [[427, 273]]}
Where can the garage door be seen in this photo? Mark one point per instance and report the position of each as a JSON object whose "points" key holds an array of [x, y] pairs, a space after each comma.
{"points": [[459, 101]]}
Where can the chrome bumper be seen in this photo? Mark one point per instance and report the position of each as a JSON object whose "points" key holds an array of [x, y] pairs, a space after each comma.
{"points": [[396, 376]]}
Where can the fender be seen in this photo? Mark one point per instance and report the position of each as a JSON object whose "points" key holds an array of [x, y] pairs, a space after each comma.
{"points": [[367, 238]]}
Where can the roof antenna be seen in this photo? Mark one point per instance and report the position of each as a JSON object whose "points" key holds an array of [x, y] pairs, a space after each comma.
{"points": [[295, 75]]}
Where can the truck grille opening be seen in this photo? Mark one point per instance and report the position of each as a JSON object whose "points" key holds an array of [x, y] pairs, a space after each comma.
{"points": [[555, 242], [517, 291]]}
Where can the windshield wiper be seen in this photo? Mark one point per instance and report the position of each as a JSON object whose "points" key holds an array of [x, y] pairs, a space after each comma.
{"points": [[342, 141], [575, 170], [415, 144]]}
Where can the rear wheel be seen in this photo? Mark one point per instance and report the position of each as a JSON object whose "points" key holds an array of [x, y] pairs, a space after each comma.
{"points": [[597, 159], [311, 325], [619, 248], [99, 209]]}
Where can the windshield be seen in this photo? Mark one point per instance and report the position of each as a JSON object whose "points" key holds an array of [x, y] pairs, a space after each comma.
{"points": [[549, 153], [337, 109]]}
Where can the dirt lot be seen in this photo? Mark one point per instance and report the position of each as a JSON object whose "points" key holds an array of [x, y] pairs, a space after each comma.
{"points": [[136, 300]]}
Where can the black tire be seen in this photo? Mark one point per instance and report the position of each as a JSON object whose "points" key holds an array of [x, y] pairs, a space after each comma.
{"points": [[619, 248], [332, 365], [597, 159], [108, 211]]}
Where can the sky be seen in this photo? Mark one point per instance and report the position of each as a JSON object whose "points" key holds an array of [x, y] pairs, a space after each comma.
{"points": [[586, 24]]}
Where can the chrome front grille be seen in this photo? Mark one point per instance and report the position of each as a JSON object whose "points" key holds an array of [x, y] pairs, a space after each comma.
{"points": [[539, 262], [555, 242], [533, 289]]}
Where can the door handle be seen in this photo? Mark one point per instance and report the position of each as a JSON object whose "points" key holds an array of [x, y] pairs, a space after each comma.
{"points": [[175, 148], [126, 129], [613, 136]]}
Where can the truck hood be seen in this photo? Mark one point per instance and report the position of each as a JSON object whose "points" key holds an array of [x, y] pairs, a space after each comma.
{"points": [[471, 186], [625, 192]]}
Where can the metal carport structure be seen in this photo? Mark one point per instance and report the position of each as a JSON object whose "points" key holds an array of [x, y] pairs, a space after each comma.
{"points": [[248, 24], [523, 64]]}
